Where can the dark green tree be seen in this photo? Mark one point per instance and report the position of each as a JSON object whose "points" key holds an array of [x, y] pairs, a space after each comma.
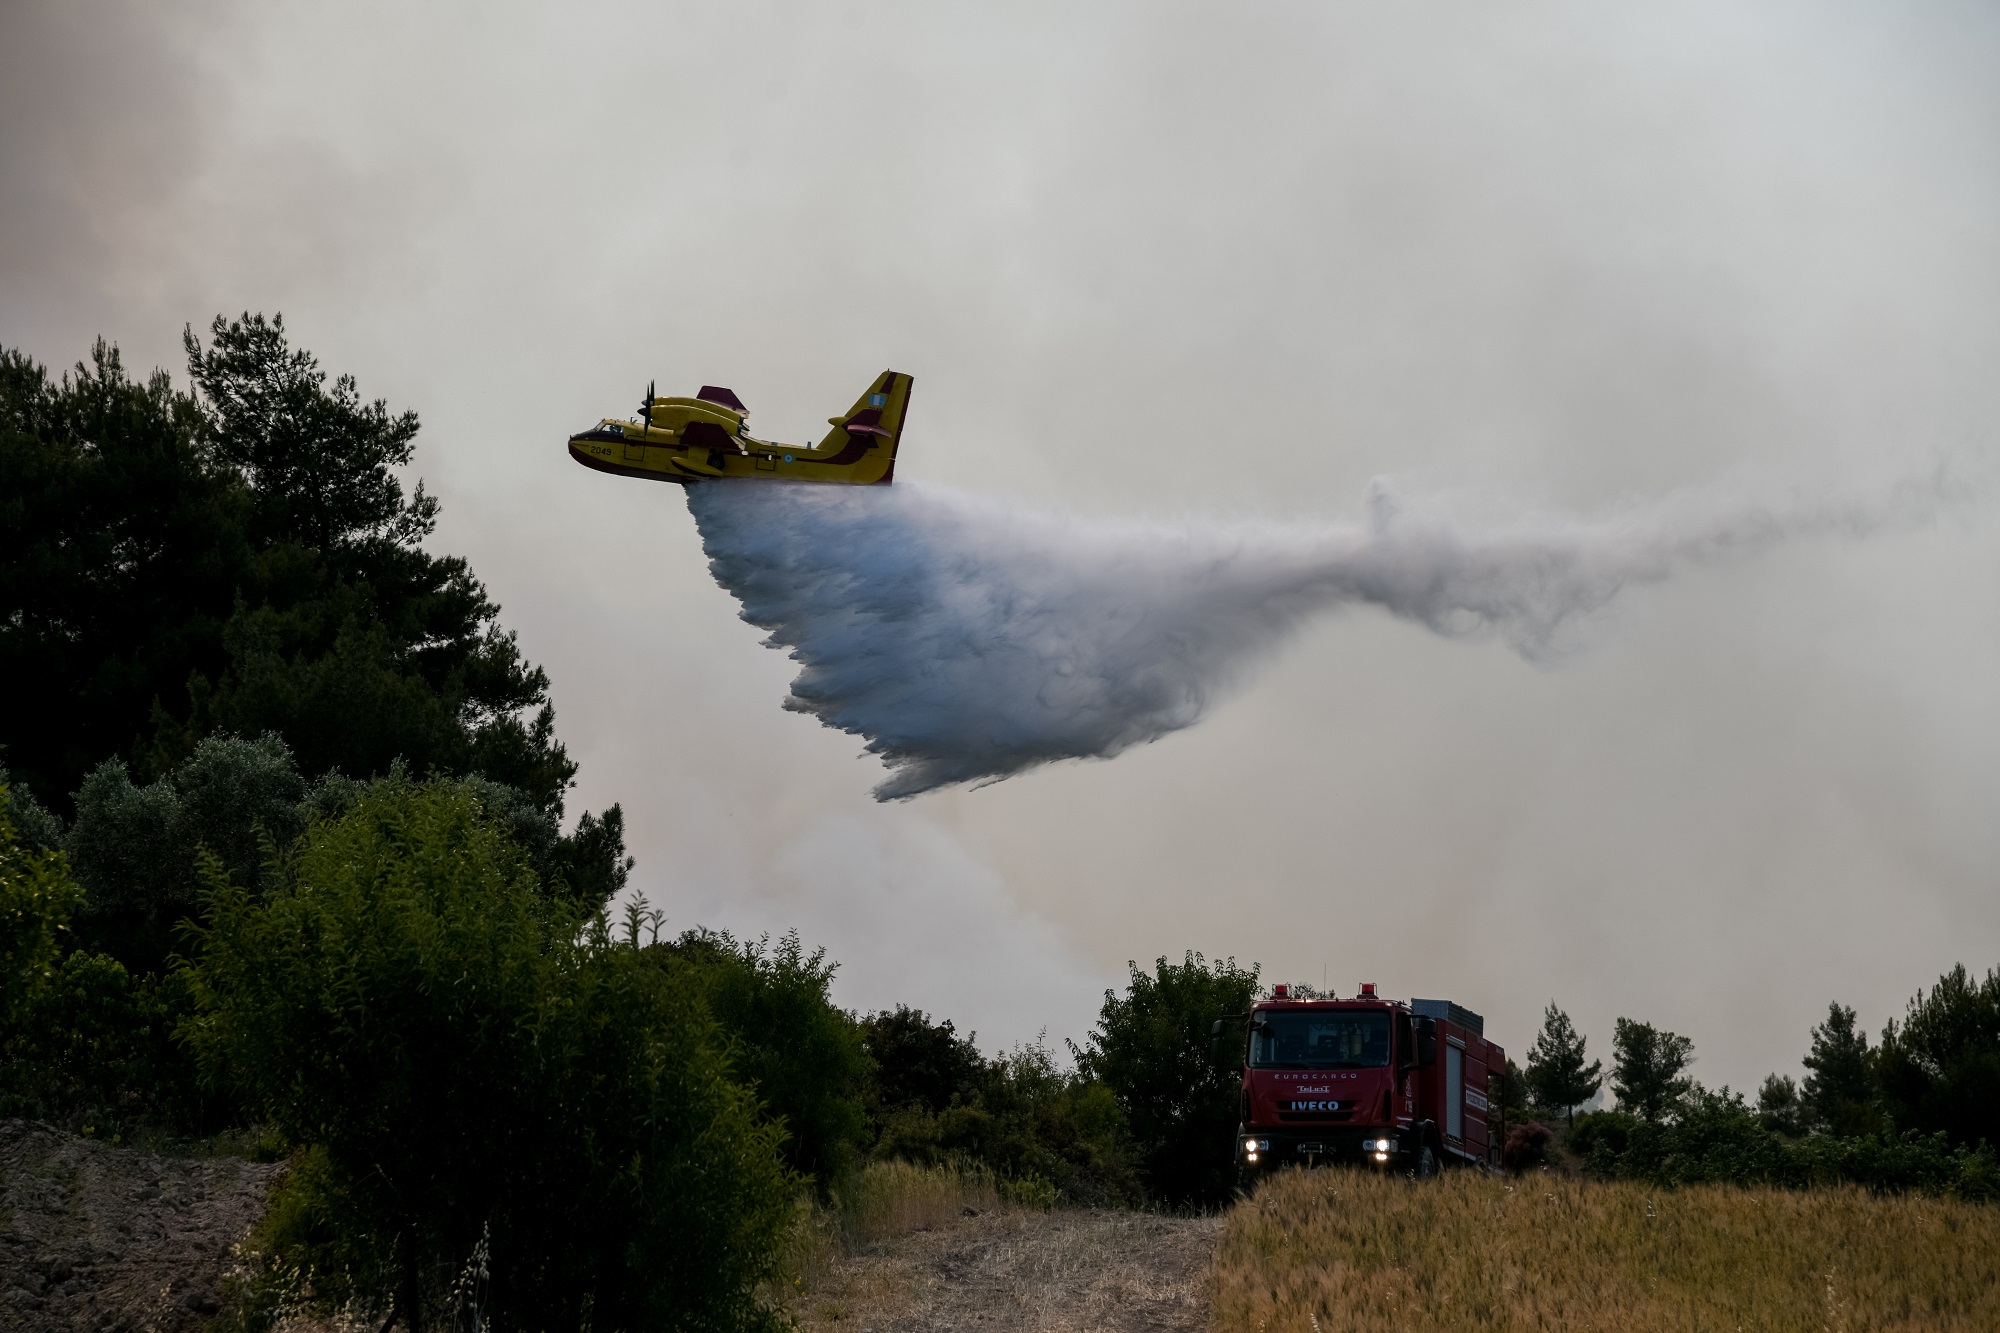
{"points": [[1151, 1049], [591, 862], [1513, 1099], [241, 558], [1646, 1069], [350, 640], [1557, 1074], [1838, 1095], [318, 462], [456, 1054], [1779, 1108], [1939, 1070], [918, 1063], [122, 550]]}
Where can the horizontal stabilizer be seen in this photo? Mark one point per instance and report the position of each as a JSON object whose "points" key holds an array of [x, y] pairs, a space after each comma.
{"points": [[868, 421]]}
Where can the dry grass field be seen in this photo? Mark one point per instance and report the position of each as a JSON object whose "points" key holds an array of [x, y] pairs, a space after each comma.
{"points": [[1329, 1251]]}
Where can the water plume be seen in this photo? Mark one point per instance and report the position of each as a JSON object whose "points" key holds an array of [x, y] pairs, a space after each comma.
{"points": [[967, 640]]}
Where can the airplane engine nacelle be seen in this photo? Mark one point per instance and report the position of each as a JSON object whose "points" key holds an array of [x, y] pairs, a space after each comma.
{"points": [[677, 414]]}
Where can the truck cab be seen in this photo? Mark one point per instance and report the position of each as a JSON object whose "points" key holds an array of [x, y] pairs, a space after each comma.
{"points": [[1403, 1086]]}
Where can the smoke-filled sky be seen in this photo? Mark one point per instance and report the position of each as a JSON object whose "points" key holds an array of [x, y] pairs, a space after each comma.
{"points": [[1171, 269]]}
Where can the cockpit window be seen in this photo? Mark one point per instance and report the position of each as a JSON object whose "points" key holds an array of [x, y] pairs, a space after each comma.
{"points": [[1319, 1039]]}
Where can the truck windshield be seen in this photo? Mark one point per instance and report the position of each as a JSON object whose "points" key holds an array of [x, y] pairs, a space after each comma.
{"points": [[1319, 1039]]}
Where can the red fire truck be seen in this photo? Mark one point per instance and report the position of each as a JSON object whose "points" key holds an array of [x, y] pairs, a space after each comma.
{"points": [[1411, 1087]]}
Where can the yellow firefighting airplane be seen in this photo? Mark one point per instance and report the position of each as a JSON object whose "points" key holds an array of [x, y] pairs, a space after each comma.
{"points": [[694, 439]]}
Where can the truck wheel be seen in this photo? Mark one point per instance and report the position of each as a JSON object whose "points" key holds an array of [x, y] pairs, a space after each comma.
{"points": [[1427, 1162]]}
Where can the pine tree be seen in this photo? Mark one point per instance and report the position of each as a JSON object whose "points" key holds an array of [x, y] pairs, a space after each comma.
{"points": [[1839, 1088], [1939, 1069], [1778, 1106], [242, 557], [1557, 1074], [1646, 1065]]}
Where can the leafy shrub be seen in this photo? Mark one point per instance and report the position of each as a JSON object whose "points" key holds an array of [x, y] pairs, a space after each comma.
{"points": [[1600, 1137], [37, 897], [135, 848], [459, 1056], [803, 1056], [589, 865], [34, 827], [96, 1046], [1716, 1137], [1046, 1134], [1527, 1147], [97, 1049], [81, 1042], [1062, 1127]]}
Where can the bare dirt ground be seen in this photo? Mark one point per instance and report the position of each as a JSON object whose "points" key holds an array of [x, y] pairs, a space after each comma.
{"points": [[102, 1239], [1066, 1271]]}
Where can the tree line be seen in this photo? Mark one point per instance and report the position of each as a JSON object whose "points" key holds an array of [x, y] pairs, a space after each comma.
{"points": [[284, 865], [1915, 1110]]}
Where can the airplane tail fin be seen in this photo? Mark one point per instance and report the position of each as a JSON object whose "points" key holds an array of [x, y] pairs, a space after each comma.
{"points": [[875, 422]]}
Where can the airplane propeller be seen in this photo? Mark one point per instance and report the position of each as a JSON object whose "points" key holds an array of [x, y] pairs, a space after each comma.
{"points": [[646, 406]]}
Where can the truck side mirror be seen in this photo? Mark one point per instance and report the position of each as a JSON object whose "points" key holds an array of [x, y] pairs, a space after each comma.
{"points": [[1406, 1044], [1218, 1043], [1427, 1041]]}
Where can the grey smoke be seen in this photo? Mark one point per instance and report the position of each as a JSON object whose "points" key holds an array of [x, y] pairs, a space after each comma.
{"points": [[967, 640]]}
